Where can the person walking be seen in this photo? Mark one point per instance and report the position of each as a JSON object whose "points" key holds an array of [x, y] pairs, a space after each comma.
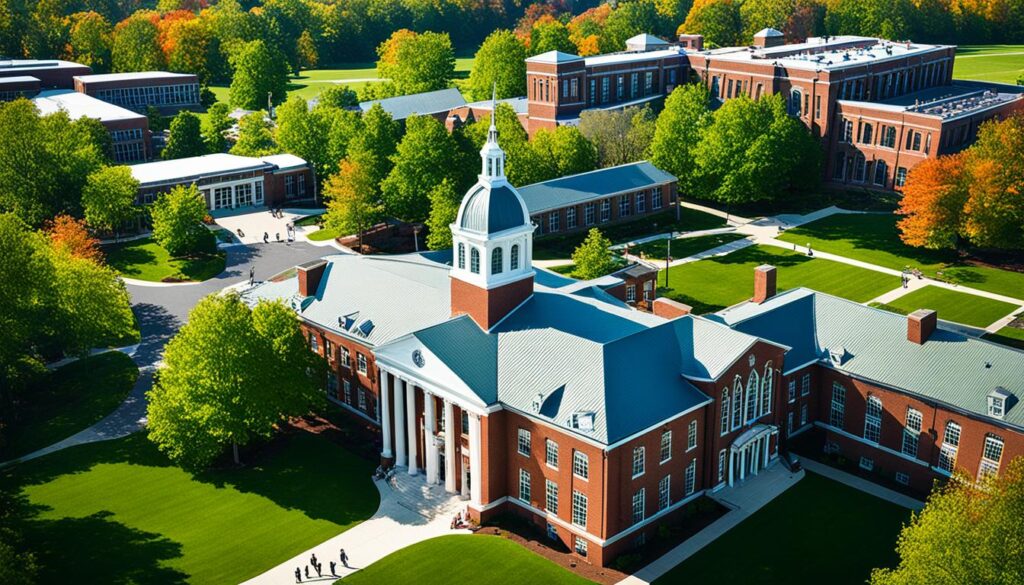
{"points": [[312, 559], [298, 575], [266, 238], [334, 569], [344, 558], [307, 572], [252, 275], [319, 570]]}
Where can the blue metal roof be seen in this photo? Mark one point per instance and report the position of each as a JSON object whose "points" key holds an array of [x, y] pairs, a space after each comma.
{"points": [[430, 102], [575, 189]]}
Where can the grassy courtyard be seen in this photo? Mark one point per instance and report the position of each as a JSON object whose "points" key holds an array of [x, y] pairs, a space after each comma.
{"points": [[147, 260], [819, 531], [69, 399], [999, 63], [1011, 335], [952, 306], [681, 248], [875, 239], [119, 512], [716, 283], [461, 558]]}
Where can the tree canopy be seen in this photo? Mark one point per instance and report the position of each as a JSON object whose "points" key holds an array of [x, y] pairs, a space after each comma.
{"points": [[427, 155], [177, 221], [186, 137], [444, 208], [255, 136], [416, 62], [500, 63], [718, 20], [109, 197], [260, 73], [620, 136], [679, 128], [136, 45], [353, 197], [593, 257]]}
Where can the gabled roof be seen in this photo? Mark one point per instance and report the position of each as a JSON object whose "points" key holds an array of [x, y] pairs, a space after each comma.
{"points": [[645, 42], [575, 189], [431, 102], [768, 32], [556, 57]]}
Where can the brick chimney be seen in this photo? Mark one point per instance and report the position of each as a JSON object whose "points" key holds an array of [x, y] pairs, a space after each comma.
{"points": [[764, 283], [921, 324], [310, 275], [692, 42], [669, 309]]}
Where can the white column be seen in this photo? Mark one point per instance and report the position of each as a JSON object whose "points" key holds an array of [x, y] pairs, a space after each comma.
{"points": [[410, 411], [400, 423], [732, 465], [743, 464], [385, 414], [449, 447], [475, 461], [234, 196], [429, 424]]}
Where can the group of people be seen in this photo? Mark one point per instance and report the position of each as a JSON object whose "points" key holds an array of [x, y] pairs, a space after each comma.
{"points": [[907, 274], [289, 235], [318, 567], [457, 521]]}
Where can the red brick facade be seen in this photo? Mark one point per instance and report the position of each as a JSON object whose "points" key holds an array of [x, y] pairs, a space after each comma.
{"points": [[487, 307]]}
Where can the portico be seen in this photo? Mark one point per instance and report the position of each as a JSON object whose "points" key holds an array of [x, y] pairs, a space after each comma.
{"points": [[752, 451]]}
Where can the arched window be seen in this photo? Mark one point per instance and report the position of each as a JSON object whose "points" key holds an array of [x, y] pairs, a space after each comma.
{"points": [[737, 403], [795, 97], [513, 257], [725, 411], [881, 172], [873, 419], [752, 387], [462, 256], [865, 134], [766, 389], [858, 167], [496, 266], [474, 261]]}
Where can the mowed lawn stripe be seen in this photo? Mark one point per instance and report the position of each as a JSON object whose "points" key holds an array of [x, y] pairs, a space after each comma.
{"points": [[954, 306]]}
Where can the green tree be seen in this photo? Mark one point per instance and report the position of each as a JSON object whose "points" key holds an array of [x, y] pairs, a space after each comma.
{"points": [[216, 124], [500, 63], [177, 221], [91, 40], [136, 45], [426, 156], [343, 126], [91, 301], [718, 20], [523, 166], [308, 134], [255, 136], [994, 209], [353, 198], [444, 208], [109, 197], [231, 374], [186, 137], [305, 48], [966, 533], [621, 136], [549, 34], [259, 72], [678, 130], [378, 135], [628, 20], [565, 150], [887, 19], [417, 62], [338, 96], [193, 50], [593, 257]]}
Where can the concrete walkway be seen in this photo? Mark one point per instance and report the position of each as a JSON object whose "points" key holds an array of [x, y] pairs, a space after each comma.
{"points": [[257, 221], [410, 512], [743, 500], [861, 484], [726, 248], [730, 218]]}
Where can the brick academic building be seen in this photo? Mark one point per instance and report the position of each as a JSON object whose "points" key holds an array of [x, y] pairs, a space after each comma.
{"points": [[535, 394]]}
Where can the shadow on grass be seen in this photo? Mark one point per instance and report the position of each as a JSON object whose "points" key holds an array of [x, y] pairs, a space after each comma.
{"points": [[127, 258], [873, 232]]}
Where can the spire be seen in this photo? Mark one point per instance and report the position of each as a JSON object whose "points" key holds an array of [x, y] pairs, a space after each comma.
{"points": [[492, 132], [493, 158]]}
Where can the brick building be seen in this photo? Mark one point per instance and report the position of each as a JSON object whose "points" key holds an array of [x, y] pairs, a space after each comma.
{"points": [[229, 181], [51, 73], [531, 393], [169, 92], [129, 131], [19, 86]]}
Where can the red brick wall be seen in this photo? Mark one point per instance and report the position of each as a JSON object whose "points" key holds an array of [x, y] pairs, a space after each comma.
{"points": [[668, 194], [487, 307], [49, 78]]}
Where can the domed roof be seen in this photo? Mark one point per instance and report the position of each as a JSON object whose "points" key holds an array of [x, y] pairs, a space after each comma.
{"points": [[489, 210]]}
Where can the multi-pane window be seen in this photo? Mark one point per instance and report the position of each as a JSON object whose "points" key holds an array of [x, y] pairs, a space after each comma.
{"points": [[513, 257], [605, 87], [551, 453], [346, 388], [789, 423], [361, 394], [990, 457], [641, 202], [767, 382], [737, 404], [606, 210], [838, 410], [313, 343], [361, 363], [723, 456], [332, 385], [873, 419], [581, 547], [691, 436], [648, 82], [620, 87], [656, 199], [579, 509], [551, 496], [803, 414], [465, 422], [580, 465], [496, 261], [901, 176], [474, 261], [639, 504], [634, 85], [638, 461], [792, 390], [902, 478], [666, 446], [346, 357], [570, 218], [524, 442], [592, 91], [950, 445], [866, 133], [881, 172], [805, 385], [691, 477], [524, 485], [911, 432], [664, 492], [630, 293], [553, 219], [462, 255], [725, 411], [752, 386], [624, 206], [588, 214], [847, 131], [328, 349], [889, 137]]}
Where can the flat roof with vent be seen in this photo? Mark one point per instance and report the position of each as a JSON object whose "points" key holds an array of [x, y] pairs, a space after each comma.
{"points": [[827, 53]]}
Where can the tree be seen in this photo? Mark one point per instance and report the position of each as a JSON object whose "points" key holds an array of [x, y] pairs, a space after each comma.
{"points": [[549, 34], [585, 29], [379, 136], [966, 533], [678, 130], [91, 40], [177, 221], [136, 44], [70, 236], [933, 203], [305, 48], [887, 19], [621, 136], [593, 258], [565, 150], [444, 208], [628, 20], [718, 20], [306, 134], [416, 62], [500, 63], [338, 96], [259, 72], [426, 156], [192, 49], [523, 166], [231, 374], [353, 198], [109, 197], [255, 137], [994, 209], [186, 138], [217, 122]]}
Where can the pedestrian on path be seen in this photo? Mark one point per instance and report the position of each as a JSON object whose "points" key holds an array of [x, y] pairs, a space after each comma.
{"points": [[312, 559], [334, 568], [319, 570], [344, 558], [252, 275], [266, 238], [307, 572], [298, 575]]}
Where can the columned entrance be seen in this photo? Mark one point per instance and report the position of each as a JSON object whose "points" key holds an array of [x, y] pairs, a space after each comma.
{"points": [[752, 451]]}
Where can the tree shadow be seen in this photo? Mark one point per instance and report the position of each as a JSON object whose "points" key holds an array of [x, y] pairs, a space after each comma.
{"points": [[156, 326], [128, 258]]}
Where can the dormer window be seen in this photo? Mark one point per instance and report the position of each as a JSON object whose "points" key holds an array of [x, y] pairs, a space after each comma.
{"points": [[998, 402], [583, 421], [836, 355], [538, 402]]}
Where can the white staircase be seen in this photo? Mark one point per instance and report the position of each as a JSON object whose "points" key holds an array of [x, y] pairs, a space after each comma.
{"points": [[430, 501]]}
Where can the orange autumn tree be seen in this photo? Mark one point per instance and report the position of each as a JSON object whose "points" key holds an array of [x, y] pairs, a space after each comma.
{"points": [[70, 235], [585, 29], [933, 202]]}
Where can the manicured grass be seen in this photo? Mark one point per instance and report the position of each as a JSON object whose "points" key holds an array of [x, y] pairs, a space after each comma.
{"points": [[146, 260], [681, 248], [324, 234], [713, 284], [69, 399], [119, 512], [1009, 335], [874, 238], [557, 247], [466, 559], [999, 63], [819, 531], [953, 306]]}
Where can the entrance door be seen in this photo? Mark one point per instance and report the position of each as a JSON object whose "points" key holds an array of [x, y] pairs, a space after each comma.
{"points": [[221, 197], [442, 466], [243, 194]]}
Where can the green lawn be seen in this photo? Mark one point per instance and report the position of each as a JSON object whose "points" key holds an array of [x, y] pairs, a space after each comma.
{"points": [[874, 238], [118, 512], [69, 399], [557, 247], [324, 234], [1000, 63], [819, 531], [467, 559], [713, 284], [681, 248], [1010, 335], [146, 260], [953, 306]]}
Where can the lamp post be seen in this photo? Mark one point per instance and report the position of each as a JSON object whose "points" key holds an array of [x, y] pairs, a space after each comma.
{"points": [[668, 255]]}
